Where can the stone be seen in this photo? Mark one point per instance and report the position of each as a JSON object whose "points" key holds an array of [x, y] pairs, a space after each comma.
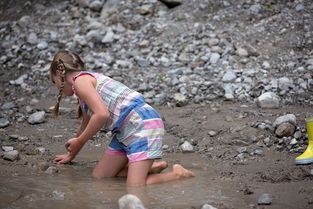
{"points": [[52, 170], [285, 129], [291, 118], [214, 58], [4, 123], [268, 100], [241, 52], [37, 117], [43, 166], [130, 201], [186, 147], [265, 199], [8, 106], [11, 155], [229, 76], [96, 6], [207, 206], [7, 148]]}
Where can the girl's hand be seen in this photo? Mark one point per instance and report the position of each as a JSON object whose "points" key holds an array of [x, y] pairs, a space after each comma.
{"points": [[73, 146], [66, 158]]}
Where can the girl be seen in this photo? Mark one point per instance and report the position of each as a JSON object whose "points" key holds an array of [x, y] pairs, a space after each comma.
{"points": [[105, 103]]}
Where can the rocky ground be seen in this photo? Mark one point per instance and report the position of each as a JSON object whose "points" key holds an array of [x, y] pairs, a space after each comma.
{"points": [[232, 80]]}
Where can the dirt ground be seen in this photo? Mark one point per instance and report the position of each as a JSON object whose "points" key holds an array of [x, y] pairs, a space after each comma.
{"points": [[272, 172], [215, 158]]}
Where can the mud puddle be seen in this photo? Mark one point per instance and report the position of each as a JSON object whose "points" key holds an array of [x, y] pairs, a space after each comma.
{"points": [[73, 187]]}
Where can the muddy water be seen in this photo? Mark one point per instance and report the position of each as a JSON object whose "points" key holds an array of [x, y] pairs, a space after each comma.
{"points": [[73, 187]]}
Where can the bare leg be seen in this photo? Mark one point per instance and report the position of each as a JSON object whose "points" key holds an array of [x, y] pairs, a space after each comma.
{"points": [[157, 167], [138, 174], [109, 166]]}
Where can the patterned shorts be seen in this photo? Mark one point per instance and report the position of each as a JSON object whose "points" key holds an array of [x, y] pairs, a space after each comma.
{"points": [[140, 136]]}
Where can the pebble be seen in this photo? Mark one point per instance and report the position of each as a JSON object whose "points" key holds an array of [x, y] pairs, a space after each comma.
{"points": [[4, 123], [268, 100], [265, 199], [37, 117], [52, 170], [285, 129], [207, 206], [7, 148], [11, 155], [186, 147], [291, 118], [130, 201]]}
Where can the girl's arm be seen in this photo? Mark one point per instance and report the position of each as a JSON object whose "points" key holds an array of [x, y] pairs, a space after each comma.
{"points": [[85, 120], [85, 88]]}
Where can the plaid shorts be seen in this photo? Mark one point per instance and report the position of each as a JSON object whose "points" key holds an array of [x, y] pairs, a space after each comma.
{"points": [[140, 136]]}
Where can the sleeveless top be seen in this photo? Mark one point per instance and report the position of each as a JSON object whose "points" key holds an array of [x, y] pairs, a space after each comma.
{"points": [[118, 98]]}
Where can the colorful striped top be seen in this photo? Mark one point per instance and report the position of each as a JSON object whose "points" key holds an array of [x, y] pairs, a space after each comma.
{"points": [[118, 98]]}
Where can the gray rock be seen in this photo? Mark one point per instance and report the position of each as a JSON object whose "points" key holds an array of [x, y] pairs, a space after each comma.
{"points": [[214, 58], [11, 155], [241, 52], [130, 201], [268, 100], [291, 118], [96, 5], [4, 123], [265, 199], [7, 148], [207, 206], [229, 76], [52, 170], [42, 45], [32, 38], [285, 129], [186, 147], [108, 38], [37, 117], [58, 195], [7, 106]]}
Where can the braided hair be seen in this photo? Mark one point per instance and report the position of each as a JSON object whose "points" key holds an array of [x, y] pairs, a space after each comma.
{"points": [[63, 62]]}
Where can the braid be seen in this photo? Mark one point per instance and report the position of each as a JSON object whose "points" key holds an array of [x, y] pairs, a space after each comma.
{"points": [[61, 67]]}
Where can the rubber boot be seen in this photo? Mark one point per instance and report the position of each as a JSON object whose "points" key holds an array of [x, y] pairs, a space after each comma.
{"points": [[307, 156]]}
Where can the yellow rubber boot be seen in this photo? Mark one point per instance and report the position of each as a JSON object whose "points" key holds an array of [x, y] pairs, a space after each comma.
{"points": [[307, 156]]}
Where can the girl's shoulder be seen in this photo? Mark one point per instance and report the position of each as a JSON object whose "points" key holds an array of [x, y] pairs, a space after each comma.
{"points": [[91, 73]]}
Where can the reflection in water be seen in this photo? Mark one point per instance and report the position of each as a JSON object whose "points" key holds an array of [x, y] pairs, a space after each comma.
{"points": [[73, 187]]}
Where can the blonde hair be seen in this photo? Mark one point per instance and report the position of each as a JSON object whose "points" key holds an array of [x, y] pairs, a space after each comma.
{"points": [[64, 61]]}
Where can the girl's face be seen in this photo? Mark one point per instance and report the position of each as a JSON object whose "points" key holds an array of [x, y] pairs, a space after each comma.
{"points": [[67, 90]]}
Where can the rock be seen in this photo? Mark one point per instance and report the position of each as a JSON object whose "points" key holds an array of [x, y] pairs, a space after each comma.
{"points": [[37, 117], [52, 170], [7, 148], [8, 106], [265, 199], [291, 118], [130, 201], [186, 147], [108, 38], [4, 123], [241, 52], [229, 76], [96, 5], [32, 38], [58, 195], [268, 100], [207, 206], [43, 166], [212, 133], [285, 129], [11, 155], [214, 58]]}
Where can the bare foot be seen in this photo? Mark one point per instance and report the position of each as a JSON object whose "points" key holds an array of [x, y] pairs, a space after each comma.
{"points": [[157, 167], [182, 172]]}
